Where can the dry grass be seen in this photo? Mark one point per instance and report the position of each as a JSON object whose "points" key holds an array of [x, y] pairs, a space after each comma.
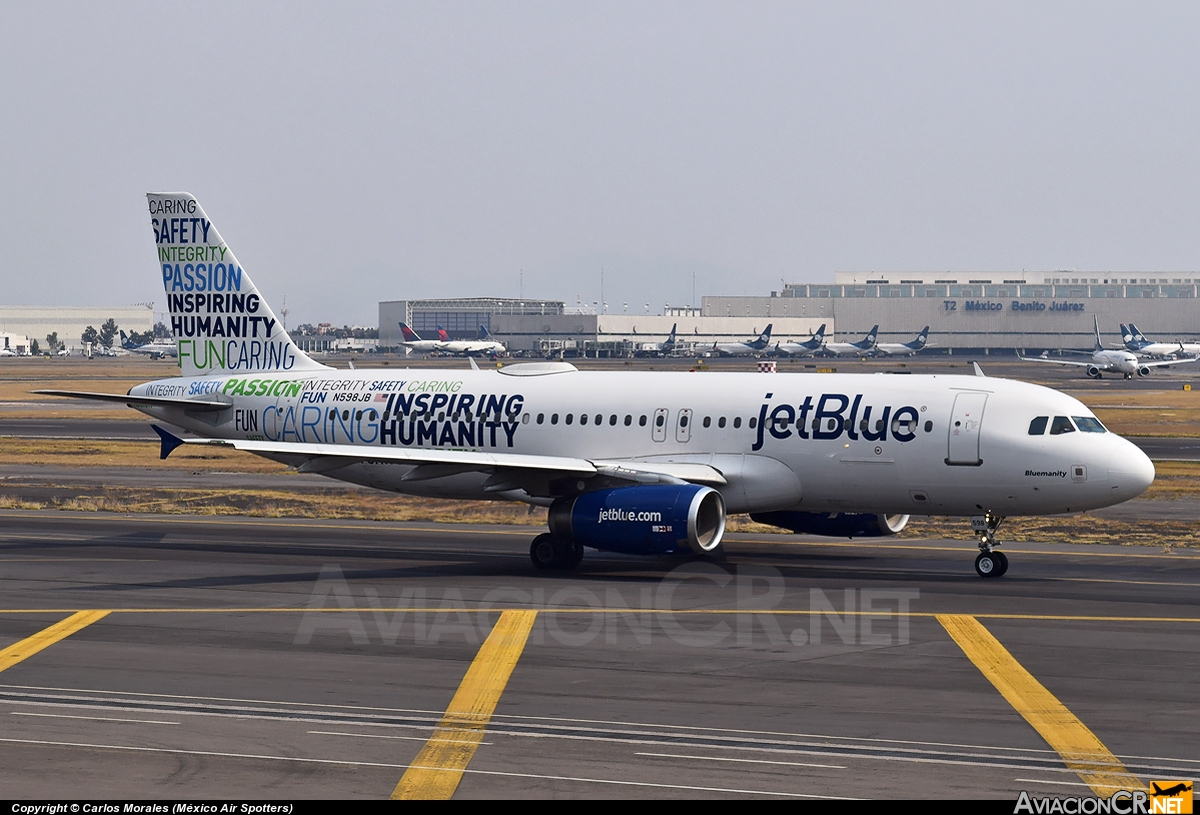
{"points": [[132, 454], [1073, 529]]}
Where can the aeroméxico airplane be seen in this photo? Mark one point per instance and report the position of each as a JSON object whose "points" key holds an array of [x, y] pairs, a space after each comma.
{"points": [[1104, 359], [803, 349], [752, 347], [1135, 341], [905, 349], [644, 463], [156, 349], [854, 349]]}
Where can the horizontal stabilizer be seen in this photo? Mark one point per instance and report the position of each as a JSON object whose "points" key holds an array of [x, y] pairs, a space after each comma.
{"points": [[128, 399]]}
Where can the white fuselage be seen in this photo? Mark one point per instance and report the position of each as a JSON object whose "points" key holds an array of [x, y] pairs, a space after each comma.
{"points": [[893, 349], [952, 445], [844, 349]]}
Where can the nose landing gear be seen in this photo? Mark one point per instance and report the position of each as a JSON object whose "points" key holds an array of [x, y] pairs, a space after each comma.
{"points": [[990, 562]]}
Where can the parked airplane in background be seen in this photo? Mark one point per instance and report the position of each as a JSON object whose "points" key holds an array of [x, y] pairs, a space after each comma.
{"points": [[659, 349], [1135, 341], [803, 349], [157, 349], [6, 352], [636, 462], [853, 349], [413, 342], [1123, 362], [753, 347], [902, 349], [484, 346]]}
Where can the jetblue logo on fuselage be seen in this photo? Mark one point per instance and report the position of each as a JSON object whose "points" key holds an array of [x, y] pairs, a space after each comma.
{"points": [[830, 415]]}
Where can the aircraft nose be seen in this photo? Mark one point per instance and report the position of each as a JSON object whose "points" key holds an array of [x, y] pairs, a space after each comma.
{"points": [[1130, 471]]}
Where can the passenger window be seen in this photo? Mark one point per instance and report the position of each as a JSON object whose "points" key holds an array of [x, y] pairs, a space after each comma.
{"points": [[708, 421], [582, 418], [737, 421], [753, 422], [599, 419], [525, 419], [628, 420], [345, 415], [1060, 425], [683, 420], [385, 415], [642, 421], [1088, 424], [553, 418], [928, 426], [541, 418], [658, 420], [612, 420], [1038, 426], [721, 422]]}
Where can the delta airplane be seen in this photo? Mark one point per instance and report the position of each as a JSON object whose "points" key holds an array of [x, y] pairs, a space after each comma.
{"points": [[854, 349], [902, 349], [753, 347], [637, 462], [803, 349], [412, 340], [485, 346], [1104, 359], [1135, 341], [156, 350]]}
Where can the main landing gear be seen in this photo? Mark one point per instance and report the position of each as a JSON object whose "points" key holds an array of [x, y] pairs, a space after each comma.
{"points": [[990, 562], [549, 552]]}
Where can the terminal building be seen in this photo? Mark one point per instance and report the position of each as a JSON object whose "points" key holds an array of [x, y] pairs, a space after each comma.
{"points": [[989, 312], [69, 322], [967, 312]]}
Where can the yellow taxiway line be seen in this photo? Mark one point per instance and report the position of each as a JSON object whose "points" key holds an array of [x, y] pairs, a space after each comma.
{"points": [[20, 651], [1082, 752], [438, 768]]}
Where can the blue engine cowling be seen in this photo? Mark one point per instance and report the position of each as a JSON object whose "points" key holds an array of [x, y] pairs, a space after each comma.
{"points": [[835, 525], [647, 520]]}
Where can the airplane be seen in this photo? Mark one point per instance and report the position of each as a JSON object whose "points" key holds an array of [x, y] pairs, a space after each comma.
{"points": [[659, 349], [897, 349], [803, 349], [1135, 341], [483, 346], [632, 462], [157, 350], [854, 349], [1104, 359], [1171, 791], [413, 342], [7, 352], [753, 347]]}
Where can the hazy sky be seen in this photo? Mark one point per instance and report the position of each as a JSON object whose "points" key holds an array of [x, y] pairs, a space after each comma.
{"points": [[353, 152]]}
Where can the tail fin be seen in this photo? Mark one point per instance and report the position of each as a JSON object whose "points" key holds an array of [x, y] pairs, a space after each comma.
{"points": [[671, 337], [442, 335], [921, 339], [869, 340], [1096, 327], [220, 322], [124, 340], [820, 335], [764, 339], [1138, 336], [408, 334]]}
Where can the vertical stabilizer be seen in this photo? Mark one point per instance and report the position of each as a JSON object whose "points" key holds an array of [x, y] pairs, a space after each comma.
{"points": [[1096, 327], [219, 321]]}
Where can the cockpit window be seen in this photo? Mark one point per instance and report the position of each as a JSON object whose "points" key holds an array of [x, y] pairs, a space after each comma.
{"points": [[1061, 424], [1088, 424], [1038, 426]]}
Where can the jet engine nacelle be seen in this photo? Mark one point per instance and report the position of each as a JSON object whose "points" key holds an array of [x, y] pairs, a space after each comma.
{"points": [[646, 520], [837, 525], [1093, 372], [1143, 370]]}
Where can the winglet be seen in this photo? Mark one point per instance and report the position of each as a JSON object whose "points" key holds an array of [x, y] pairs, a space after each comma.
{"points": [[474, 365], [169, 441], [978, 370]]}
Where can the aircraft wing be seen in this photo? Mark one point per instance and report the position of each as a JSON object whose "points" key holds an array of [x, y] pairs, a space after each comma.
{"points": [[1101, 365], [509, 470], [159, 401], [1164, 362]]}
